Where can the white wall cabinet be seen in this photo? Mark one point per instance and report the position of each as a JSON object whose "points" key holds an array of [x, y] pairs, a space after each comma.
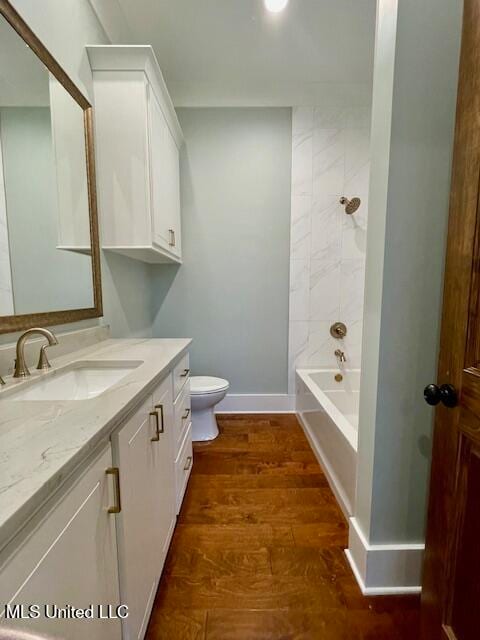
{"points": [[138, 139], [69, 557]]}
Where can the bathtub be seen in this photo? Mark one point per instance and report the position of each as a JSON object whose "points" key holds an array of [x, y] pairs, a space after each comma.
{"points": [[328, 412]]}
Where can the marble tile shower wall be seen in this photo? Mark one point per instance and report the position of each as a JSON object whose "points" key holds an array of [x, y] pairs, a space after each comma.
{"points": [[330, 158]]}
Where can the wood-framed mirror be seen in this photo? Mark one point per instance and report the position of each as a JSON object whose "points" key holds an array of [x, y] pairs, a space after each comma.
{"points": [[49, 243]]}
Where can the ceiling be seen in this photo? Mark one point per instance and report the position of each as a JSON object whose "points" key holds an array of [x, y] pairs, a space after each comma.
{"points": [[233, 52]]}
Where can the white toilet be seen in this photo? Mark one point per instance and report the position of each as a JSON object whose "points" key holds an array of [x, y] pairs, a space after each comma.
{"points": [[205, 393]]}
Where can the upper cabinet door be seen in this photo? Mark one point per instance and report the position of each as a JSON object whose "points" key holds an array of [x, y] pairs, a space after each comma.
{"points": [[172, 171], [164, 180], [137, 127]]}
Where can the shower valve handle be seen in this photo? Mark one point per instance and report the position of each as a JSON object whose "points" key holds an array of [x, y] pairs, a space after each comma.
{"points": [[446, 394]]}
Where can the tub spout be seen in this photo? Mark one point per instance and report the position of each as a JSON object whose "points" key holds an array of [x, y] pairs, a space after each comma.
{"points": [[340, 356]]}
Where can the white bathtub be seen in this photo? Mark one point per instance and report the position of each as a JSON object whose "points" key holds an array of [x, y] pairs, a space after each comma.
{"points": [[328, 412]]}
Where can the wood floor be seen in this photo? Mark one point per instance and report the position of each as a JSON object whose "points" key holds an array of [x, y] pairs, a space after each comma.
{"points": [[258, 549]]}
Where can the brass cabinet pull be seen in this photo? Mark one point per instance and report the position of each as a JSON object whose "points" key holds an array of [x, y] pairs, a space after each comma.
{"points": [[185, 373], [186, 414], [115, 472], [189, 463], [172, 237], [156, 437], [159, 423]]}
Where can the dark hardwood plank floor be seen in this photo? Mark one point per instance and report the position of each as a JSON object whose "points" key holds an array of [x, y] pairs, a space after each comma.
{"points": [[257, 553]]}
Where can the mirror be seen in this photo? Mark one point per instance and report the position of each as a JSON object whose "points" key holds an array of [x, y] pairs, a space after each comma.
{"points": [[49, 255]]}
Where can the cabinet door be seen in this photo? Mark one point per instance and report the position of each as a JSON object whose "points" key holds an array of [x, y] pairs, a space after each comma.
{"points": [[165, 466], [134, 453], [164, 180], [70, 558], [142, 451], [173, 193]]}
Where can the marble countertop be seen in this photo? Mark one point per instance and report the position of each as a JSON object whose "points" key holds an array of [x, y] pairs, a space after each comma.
{"points": [[42, 442]]}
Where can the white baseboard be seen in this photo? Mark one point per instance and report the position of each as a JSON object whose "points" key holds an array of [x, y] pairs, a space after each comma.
{"points": [[384, 569], [256, 403]]}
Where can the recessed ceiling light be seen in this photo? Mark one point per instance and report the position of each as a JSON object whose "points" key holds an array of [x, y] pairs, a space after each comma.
{"points": [[275, 6]]}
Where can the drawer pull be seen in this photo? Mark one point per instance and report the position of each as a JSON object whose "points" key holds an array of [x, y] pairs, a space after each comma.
{"points": [[185, 373], [159, 424], [186, 414], [189, 463], [115, 472]]}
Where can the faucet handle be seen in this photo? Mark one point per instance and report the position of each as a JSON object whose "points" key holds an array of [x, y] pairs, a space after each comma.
{"points": [[338, 330], [43, 362]]}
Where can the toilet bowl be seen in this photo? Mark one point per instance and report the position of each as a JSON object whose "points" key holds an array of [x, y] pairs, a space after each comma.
{"points": [[205, 393]]}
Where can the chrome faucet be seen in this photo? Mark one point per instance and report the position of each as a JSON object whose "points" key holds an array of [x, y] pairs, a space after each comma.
{"points": [[340, 356], [21, 369]]}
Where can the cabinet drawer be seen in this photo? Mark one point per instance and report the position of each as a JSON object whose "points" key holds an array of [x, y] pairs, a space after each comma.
{"points": [[183, 467], [183, 416], [181, 374]]}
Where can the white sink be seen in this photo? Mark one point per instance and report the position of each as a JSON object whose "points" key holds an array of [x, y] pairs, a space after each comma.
{"points": [[79, 381]]}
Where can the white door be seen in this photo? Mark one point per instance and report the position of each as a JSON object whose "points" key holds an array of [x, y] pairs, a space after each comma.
{"points": [[164, 180], [69, 559]]}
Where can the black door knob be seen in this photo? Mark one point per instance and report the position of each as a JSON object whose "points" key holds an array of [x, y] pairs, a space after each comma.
{"points": [[446, 394]]}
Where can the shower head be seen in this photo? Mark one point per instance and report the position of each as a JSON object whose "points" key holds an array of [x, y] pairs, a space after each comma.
{"points": [[350, 205]]}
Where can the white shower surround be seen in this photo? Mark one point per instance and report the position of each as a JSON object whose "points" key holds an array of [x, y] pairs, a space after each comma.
{"points": [[330, 158]]}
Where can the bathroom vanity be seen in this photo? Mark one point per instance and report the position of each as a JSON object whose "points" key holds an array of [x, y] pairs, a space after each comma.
{"points": [[90, 488], [95, 453]]}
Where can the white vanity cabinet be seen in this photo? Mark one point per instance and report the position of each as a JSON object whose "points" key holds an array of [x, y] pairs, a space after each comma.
{"points": [[68, 556], [143, 452], [138, 138], [103, 537]]}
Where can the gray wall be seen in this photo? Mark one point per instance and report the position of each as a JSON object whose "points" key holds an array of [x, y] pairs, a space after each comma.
{"points": [[414, 95], [65, 28], [41, 274], [231, 294]]}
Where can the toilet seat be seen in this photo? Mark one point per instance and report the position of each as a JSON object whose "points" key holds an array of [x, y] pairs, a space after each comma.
{"points": [[201, 385]]}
